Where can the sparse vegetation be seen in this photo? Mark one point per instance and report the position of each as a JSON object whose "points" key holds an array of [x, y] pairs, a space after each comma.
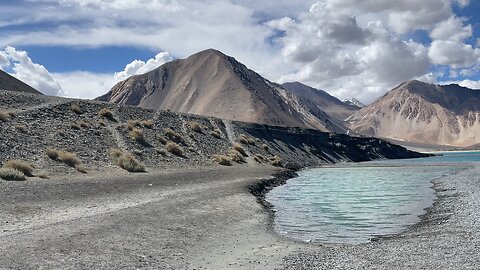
{"points": [[240, 149], [10, 174], [21, 128], [172, 135], [137, 135], [22, 166], [174, 148], [276, 161], [162, 152], [102, 123], [126, 161], [236, 156], [83, 124], [52, 153], [265, 147], [196, 127], [222, 160], [69, 158], [43, 175], [259, 158], [245, 139], [162, 139], [147, 123], [76, 109], [107, 113], [5, 116], [75, 126], [216, 133]]}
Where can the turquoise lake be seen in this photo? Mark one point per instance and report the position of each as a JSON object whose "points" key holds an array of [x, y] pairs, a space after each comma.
{"points": [[355, 203]]}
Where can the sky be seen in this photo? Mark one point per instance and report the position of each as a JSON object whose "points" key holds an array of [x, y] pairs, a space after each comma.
{"points": [[349, 48]]}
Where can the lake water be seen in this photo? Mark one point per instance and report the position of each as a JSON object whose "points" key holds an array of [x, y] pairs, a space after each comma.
{"points": [[354, 204]]}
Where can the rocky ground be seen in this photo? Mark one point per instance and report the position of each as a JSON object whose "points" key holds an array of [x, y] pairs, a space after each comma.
{"points": [[39, 122]]}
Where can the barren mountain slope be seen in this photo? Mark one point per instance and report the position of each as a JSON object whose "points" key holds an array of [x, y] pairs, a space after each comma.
{"points": [[331, 105], [8, 82], [212, 84], [425, 113]]}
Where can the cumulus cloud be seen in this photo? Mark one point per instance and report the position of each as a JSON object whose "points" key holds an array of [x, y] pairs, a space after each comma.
{"points": [[137, 67], [29, 72], [85, 85]]}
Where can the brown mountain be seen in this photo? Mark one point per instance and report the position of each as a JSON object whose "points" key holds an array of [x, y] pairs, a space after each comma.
{"points": [[213, 84], [8, 82], [331, 105], [425, 113]]}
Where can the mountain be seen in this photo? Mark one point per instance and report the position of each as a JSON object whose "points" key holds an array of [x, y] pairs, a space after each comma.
{"points": [[354, 102], [420, 112], [8, 82], [211, 83], [331, 105]]}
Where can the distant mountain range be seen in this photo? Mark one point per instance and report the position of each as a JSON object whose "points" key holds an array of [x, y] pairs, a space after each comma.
{"points": [[426, 113], [354, 102], [211, 83], [8, 82]]}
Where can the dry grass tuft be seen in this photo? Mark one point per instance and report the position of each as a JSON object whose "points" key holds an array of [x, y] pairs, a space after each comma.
{"points": [[240, 149], [174, 148], [69, 159], [21, 128], [216, 133], [107, 113], [265, 147], [5, 116], [172, 135], [236, 156], [75, 126], [43, 175], [76, 109], [222, 160], [83, 124], [52, 153], [276, 161], [259, 158], [195, 127], [102, 123], [131, 124], [137, 135], [245, 139], [126, 161], [147, 123], [81, 168], [10, 174], [162, 152], [22, 166], [162, 140]]}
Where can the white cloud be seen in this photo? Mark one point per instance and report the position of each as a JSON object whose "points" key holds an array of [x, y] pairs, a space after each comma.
{"points": [[451, 29], [137, 67], [465, 83], [85, 85], [453, 53], [31, 73]]}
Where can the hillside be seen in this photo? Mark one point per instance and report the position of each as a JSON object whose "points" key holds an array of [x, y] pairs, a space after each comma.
{"points": [[210, 83], [8, 82], [332, 106], [76, 126], [424, 113]]}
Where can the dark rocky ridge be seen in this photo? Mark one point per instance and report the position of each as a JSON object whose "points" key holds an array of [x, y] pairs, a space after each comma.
{"points": [[8, 82], [48, 121]]}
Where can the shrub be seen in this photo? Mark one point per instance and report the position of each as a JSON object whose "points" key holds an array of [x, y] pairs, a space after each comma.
{"points": [[240, 149], [126, 161], [172, 135], [10, 174], [21, 128], [162, 152], [259, 158], [76, 109], [43, 175], [83, 124], [5, 116], [69, 158], [75, 126], [216, 133], [81, 168], [147, 123], [52, 153], [222, 160], [102, 123], [236, 156], [276, 161], [174, 148], [265, 147], [137, 135], [131, 124], [162, 140], [22, 166], [243, 139], [107, 113], [196, 127]]}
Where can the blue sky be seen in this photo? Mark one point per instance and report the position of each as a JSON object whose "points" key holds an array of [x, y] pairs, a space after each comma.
{"points": [[80, 48]]}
